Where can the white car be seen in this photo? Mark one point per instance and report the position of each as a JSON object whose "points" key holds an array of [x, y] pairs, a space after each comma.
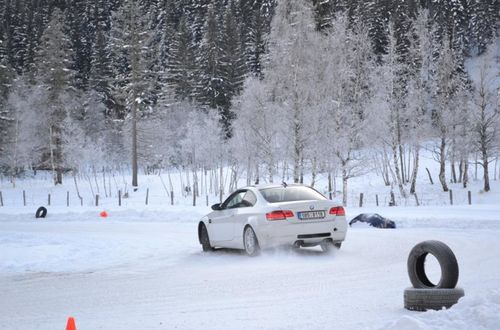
{"points": [[255, 218]]}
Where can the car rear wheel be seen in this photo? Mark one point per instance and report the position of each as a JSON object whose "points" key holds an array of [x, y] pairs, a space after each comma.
{"points": [[204, 239], [329, 246], [250, 242]]}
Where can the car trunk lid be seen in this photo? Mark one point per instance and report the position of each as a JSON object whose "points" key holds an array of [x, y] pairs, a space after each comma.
{"points": [[307, 211]]}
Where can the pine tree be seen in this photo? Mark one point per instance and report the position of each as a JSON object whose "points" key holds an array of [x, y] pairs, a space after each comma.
{"points": [[210, 75], [198, 13], [101, 75], [53, 61], [6, 73], [485, 15], [6, 77], [181, 64], [324, 13], [80, 33], [256, 43], [232, 61], [133, 84], [15, 34]]}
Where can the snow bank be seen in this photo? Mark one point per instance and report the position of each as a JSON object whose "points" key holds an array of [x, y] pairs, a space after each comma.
{"points": [[470, 313]]}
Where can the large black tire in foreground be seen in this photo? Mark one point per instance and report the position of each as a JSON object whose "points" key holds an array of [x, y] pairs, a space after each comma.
{"points": [[426, 299], [41, 212], [446, 259]]}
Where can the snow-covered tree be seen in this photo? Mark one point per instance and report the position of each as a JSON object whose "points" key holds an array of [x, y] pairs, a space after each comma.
{"points": [[181, 64], [210, 72], [233, 63], [350, 95], [483, 24], [486, 110], [258, 136], [6, 77], [390, 105], [450, 84], [291, 74], [53, 60], [134, 84], [420, 86], [29, 130]]}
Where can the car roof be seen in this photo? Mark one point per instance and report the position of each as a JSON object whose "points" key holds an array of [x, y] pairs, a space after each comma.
{"points": [[274, 185]]}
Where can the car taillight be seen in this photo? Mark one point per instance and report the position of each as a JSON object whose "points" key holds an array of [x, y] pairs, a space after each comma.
{"points": [[337, 210], [279, 215]]}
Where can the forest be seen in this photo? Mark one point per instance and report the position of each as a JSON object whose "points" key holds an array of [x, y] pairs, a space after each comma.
{"points": [[273, 90]]}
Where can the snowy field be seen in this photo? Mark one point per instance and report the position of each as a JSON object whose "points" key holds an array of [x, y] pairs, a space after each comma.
{"points": [[145, 270], [142, 266]]}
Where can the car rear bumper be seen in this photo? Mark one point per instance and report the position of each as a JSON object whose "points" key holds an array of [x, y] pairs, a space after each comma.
{"points": [[285, 233]]}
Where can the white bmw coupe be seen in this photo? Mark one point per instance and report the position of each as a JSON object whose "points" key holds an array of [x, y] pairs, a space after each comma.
{"points": [[255, 218]]}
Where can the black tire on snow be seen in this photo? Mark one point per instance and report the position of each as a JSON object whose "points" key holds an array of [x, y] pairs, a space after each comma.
{"points": [[447, 262], [435, 299], [205, 239], [41, 212]]}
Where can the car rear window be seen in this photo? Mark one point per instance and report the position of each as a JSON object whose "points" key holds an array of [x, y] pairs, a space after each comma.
{"points": [[290, 194]]}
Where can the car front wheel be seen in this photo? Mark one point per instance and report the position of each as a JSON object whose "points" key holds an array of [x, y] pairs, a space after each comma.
{"points": [[204, 239], [250, 242]]}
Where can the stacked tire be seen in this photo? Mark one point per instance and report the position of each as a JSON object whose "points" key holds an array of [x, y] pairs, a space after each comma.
{"points": [[426, 295]]}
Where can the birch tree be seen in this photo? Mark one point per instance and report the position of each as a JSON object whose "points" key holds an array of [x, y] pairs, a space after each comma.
{"points": [[293, 42], [486, 111]]}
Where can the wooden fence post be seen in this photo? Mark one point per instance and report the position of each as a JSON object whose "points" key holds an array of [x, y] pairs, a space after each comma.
{"points": [[376, 199], [194, 196], [469, 195], [48, 200], [429, 174], [392, 202], [96, 200], [1, 199], [147, 195], [451, 197], [67, 198], [207, 199], [361, 200], [24, 198], [171, 198], [119, 198]]}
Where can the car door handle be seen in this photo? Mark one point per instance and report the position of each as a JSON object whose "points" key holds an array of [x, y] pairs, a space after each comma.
{"points": [[209, 220]]}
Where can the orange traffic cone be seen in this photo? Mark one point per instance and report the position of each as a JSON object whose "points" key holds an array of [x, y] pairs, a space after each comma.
{"points": [[103, 214], [71, 324]]}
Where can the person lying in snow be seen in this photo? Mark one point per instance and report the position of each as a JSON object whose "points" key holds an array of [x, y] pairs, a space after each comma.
{"points": [[374, 220]]}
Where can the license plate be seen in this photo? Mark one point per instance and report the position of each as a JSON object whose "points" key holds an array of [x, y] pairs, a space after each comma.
{"points": [[309, 215]]}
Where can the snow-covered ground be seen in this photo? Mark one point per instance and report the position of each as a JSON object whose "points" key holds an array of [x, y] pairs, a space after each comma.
{"points": [[145, 270], [142, 266]]}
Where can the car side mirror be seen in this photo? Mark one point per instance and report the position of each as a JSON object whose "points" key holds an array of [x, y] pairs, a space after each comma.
{"points": [[216, 207]]}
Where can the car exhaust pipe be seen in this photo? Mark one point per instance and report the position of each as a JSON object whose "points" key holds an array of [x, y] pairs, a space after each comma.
{"points": [[298, 244]]}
